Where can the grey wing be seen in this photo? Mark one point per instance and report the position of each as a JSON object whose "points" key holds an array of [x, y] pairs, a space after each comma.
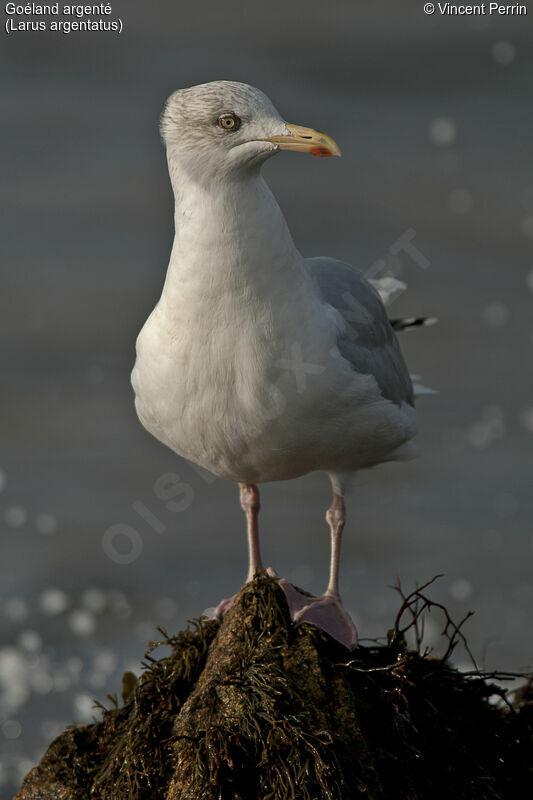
{"points": [[367, 341]]}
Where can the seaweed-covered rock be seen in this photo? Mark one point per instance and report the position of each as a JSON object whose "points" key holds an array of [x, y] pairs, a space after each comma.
{"points": [[256, 709]]}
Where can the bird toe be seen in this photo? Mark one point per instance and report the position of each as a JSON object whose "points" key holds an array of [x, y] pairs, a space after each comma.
{"points": [[325, 612]]}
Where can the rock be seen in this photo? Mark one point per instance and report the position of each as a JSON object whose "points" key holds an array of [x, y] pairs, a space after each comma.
{"points": [[256, 709]]}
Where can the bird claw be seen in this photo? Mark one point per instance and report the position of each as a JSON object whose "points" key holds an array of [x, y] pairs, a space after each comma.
{"points": [[223, 607], [325, 612]]}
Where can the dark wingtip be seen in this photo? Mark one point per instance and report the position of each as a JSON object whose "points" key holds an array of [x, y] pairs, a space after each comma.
{"points": [[406, 323]]}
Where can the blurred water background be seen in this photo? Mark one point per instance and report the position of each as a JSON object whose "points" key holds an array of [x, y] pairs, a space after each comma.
{"points": [[434, 117]]}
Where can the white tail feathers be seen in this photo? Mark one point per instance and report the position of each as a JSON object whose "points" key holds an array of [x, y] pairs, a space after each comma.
{"points": [[419, 388], [388, 288]]}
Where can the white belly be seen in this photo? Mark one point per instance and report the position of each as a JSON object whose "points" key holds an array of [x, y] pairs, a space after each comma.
{"points": [[225, 397]]}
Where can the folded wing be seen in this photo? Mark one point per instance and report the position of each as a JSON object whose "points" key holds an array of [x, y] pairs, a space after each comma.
{"points": [[366, 338]]}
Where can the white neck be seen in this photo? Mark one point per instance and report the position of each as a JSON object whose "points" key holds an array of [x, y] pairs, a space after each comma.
{"points": [[230, 236]]}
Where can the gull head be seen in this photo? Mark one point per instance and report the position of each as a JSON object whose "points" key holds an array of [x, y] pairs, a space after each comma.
{"points": [[225, 128]]}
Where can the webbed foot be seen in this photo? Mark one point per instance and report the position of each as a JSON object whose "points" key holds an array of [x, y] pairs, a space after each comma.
{"points": [[326, 612]]}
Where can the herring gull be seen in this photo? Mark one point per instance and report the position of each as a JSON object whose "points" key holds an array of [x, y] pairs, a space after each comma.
{"points": [[256, 363]]}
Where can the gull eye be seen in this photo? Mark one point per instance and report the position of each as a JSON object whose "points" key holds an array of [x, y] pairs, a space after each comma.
{"points": [[229, 122]]}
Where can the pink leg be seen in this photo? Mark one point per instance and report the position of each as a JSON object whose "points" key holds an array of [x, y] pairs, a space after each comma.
{"points": [[250, 504], [327, 611], [336, 519], [251, 507]]}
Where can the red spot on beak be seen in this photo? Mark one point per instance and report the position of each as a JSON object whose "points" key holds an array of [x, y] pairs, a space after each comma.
{"points": [[320, 152]]}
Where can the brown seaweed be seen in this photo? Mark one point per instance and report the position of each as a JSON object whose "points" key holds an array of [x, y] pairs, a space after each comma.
{"points": [[256, 709]]}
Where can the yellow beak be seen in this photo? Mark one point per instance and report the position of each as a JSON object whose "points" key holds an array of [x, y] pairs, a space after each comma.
{"points": [[306, 140]]}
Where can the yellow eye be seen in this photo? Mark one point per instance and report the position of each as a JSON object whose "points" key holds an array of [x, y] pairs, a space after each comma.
{"points": [[229, 122]]}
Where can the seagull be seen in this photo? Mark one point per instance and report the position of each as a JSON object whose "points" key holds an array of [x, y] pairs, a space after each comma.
{"points": [[256, 363]]}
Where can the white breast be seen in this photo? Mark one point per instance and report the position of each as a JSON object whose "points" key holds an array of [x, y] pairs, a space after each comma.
{"points": [[237, 367]]}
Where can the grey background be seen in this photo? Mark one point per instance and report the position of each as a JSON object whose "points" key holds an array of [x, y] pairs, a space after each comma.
{"points": [[86, 233]]}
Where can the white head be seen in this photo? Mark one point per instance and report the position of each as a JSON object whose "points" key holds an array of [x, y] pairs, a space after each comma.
{"points": [[227, 129]]}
